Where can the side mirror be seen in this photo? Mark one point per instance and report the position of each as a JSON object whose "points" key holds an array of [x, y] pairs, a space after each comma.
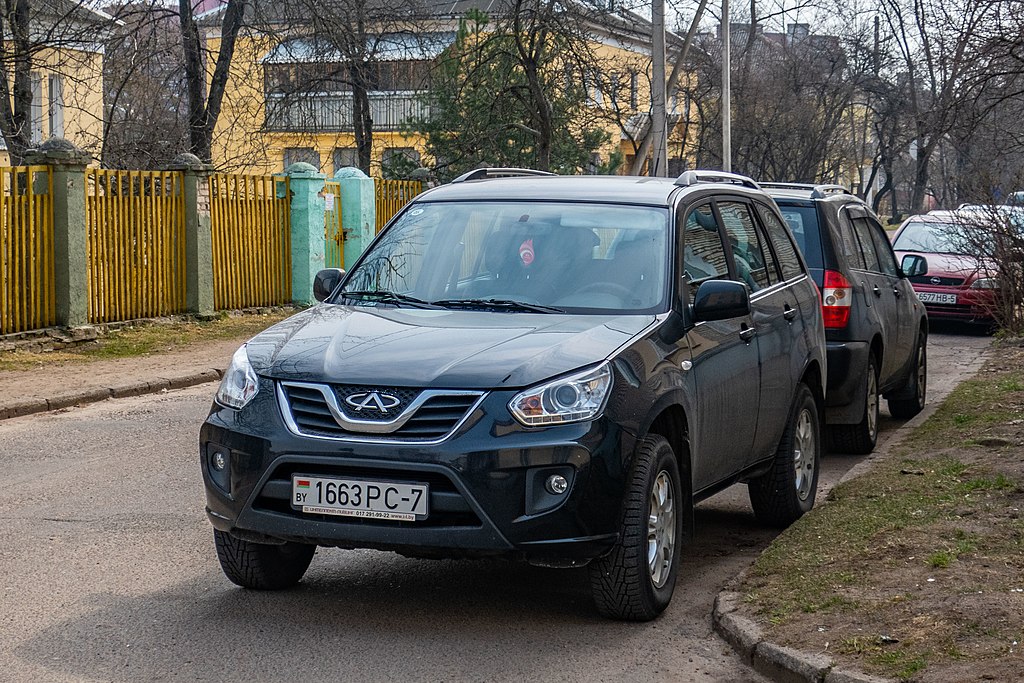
{"points": [[914, 265], [720, 300], [326, 281]]}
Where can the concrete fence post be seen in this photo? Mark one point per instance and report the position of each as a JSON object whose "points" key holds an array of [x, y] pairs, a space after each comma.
{"points": [[199, 292], [307, 229], [358, 211], [70, 230]]}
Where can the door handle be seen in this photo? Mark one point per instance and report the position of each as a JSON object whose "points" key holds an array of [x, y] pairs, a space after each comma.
{"points": [[896, 291], [789, 312], [876, 290], [747, 333]]}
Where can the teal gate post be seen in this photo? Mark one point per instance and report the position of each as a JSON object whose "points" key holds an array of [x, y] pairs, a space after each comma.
{"points": [[307, 227], [358, 211]]}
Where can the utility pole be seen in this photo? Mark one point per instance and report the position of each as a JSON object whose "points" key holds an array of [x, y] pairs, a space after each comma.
{"points": [[659, 123], [726, 89]]}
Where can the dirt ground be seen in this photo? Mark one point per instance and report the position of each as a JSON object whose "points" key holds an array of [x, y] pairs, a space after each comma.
{"points": [[916, 569]]}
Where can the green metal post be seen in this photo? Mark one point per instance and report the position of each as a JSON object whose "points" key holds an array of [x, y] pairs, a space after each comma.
{"points": [[358, 211], [307, 229]]}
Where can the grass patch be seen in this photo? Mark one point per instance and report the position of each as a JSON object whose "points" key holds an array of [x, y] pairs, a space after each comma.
{"points": [[146, 339], [867, 560]]}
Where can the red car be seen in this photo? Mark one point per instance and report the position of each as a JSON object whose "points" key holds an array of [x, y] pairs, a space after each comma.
{"points": [[957, 286]]}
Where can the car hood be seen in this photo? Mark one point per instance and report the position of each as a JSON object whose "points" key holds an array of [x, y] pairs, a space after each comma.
{"points": [[950, 265], [435, 348]]}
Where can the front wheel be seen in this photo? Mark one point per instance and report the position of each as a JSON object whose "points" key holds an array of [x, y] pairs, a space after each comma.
{"points": [[784, 493], [259, 565], [906, 408], [635, 580]]}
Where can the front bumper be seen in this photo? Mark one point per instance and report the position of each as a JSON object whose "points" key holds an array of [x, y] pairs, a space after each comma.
{"points": [[483, 481]]}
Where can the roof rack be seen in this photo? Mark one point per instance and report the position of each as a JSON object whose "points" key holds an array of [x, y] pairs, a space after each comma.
{"points": [[817, 191], [689, 178], [485, 173]]}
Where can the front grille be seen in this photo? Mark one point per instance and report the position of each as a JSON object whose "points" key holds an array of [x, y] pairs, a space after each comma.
{"points": [[447, 507], [930, 280], [425, 415]]}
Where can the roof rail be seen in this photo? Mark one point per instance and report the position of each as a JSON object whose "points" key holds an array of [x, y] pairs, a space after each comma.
{"points": [[817, 191], [689, 178], [484, 173]]}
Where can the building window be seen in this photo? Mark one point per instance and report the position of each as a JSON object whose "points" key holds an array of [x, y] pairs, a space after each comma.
{"points": [[36, 110], [399, 162], [345, 157], [56, 109], [634, 89], [293, 155]]}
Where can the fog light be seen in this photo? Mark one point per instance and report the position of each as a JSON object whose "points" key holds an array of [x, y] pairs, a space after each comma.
{"points": [[219, 461], [556, 484]]}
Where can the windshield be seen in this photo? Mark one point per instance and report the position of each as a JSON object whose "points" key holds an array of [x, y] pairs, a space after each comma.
{"points": [[576, 257], [933, 237]]}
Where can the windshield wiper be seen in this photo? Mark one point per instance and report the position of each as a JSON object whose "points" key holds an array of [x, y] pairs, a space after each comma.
{"points": [[508, 304], [385, 296]]}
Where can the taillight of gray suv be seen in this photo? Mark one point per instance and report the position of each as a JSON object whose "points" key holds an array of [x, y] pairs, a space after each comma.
{"points": [[552, 369], [875, 327]]}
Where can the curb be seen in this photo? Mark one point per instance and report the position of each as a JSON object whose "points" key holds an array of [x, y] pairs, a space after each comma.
{"points": [[785, 664], [85, 396], [776, 662]]}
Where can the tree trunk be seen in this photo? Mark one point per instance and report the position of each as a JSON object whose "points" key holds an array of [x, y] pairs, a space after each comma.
{"points": [[16, 106], [362, 117]]}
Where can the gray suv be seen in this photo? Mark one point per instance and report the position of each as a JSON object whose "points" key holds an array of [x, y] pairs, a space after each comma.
{"points": [[875, 327]]}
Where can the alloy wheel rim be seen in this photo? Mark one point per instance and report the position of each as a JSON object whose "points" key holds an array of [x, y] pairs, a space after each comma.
{"points": [[872, 403], [661, 529], [804, 450]]}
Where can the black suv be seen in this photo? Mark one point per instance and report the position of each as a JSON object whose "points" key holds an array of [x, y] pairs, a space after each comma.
{"points": [[547, 368], [877, 330]]}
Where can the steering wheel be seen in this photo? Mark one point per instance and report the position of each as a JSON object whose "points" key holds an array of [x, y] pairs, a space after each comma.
{"points": [[613, 288]]}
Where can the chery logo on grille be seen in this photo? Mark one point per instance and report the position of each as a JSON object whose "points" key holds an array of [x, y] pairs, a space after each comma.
{"points": [[372, 400]]}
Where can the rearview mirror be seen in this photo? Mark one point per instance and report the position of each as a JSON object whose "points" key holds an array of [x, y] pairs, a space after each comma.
{"points": [[914, 265], [720, 300], [326, 281]]}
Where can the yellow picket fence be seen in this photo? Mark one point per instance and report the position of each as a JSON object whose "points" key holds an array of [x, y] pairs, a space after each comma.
{"points": [[334, 235], [392, 195], [250, 220], [26, 249], [135, 244]]}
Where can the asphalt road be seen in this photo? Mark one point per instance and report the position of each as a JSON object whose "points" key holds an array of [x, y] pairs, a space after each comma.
{"points": [[108, 573]]}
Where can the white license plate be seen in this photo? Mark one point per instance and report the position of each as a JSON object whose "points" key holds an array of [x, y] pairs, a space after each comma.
{"points": [[936, 298], [360, 498]]}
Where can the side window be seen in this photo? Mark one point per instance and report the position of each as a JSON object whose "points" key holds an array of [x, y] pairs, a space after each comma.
{"points": [[886, 259], [848, 243], [783, 243], [703, 252], [746, 245], [867, 245]]}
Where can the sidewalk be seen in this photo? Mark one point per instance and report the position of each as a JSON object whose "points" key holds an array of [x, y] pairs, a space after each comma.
{"points": [[56, 386]]}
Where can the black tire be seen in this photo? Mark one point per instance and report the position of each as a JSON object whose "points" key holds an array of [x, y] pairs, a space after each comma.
{"points": [[623, 582], [906, 408], [779, 496], [261, 566], [860, 438]]}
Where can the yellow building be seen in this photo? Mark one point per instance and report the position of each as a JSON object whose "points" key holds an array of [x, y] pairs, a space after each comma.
{"points": [[285, 101], [66, 79]]}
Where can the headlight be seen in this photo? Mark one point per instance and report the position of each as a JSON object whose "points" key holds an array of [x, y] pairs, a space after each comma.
{"points": [[575, 398], [240, 383], [985, 283]]}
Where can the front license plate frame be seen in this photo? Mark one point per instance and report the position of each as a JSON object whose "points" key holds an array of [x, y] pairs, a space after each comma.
{"points": [[937, 298], [362, 498]]}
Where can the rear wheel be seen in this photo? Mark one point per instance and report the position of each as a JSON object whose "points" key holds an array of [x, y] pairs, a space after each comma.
{"points": [[784, 493], [860, 438], [259, 565], [906, 408], [636, 579]]}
